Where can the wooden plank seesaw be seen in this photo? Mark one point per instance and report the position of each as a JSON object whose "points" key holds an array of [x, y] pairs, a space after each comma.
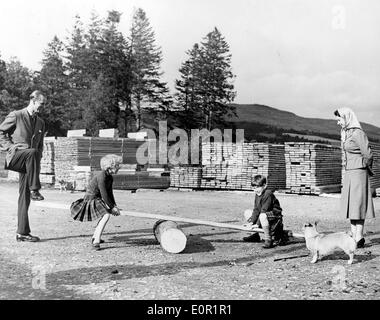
{"points": [[161, 217]]}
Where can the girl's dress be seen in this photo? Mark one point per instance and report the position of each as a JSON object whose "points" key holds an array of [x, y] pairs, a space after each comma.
{"points": [[97, 201]]}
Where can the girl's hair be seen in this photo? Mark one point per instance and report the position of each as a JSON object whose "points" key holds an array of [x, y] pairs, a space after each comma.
{"points": [[336, 113], [259, 180], [110, 161]]}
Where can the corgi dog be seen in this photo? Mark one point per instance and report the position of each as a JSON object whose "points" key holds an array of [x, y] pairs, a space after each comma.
{"points": [[321, 244]]}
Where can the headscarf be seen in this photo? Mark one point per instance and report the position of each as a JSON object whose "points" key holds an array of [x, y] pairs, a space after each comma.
{"points": [[350, 121]]}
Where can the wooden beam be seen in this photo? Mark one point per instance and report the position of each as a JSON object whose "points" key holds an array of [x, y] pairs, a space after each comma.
{"points": [[54, 205]]}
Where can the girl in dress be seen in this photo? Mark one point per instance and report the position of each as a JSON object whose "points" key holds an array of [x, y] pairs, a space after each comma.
{"points": [[98, 201]]}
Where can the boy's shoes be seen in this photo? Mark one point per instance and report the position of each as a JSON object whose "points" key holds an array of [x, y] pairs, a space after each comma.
{"points": [[36, 196], [283, 240], [27, 237], [268, 244], [254, 237]]}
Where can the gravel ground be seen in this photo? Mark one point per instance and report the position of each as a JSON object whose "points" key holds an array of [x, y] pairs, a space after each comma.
{"points": [[216, 263]]}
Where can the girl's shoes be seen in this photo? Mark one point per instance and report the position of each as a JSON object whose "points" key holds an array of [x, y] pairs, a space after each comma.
{"points": [[96, 246], [93, 239], [360, 243]]}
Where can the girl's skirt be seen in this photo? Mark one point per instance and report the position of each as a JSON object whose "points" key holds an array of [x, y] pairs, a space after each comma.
{"points": [[89, 208]]}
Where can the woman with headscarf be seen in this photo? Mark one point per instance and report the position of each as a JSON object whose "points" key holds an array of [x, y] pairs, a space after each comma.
{"points": [[356, 197]]}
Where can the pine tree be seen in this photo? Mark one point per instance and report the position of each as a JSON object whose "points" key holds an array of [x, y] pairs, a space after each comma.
{"points": [[189, 95], [53, 81], [147, 90], [99, 56], [3, 73], [17, 86], [205, 89]]}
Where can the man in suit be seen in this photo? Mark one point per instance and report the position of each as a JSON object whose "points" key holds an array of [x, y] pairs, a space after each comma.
{"points": [[22, 137]]}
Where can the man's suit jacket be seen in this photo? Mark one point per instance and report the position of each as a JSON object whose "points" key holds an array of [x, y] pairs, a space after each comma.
{"points": [[16, 132]]}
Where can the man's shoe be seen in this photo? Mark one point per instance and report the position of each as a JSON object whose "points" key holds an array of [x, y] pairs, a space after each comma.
{"points": [[96, 246], [254, 237], [27, 237], [268, 244], [36, 196]]}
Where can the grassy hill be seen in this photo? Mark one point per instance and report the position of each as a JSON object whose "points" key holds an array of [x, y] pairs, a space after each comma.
{"points": [[260, 121]]}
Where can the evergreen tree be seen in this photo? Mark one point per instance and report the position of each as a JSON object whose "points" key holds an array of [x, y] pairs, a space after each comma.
{"points": [[147, 90], [76, 55], [189, 95], [17, 86], [96, 102], [3, 73], [99, 56], [53, 81], [205, 88]]}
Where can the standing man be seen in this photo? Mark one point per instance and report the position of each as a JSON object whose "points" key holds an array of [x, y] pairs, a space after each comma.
{"points": [[22, 137]]}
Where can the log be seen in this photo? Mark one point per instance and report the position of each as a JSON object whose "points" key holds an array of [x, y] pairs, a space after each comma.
{"points": [[171, 238], [54, 205]]}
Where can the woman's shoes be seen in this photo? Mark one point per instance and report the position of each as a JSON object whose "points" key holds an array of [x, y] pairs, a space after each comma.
{"points": [[360, 243]]}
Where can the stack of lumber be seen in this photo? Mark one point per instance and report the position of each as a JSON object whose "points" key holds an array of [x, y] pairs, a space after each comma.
{"points": [[140, 180], [47, 174], [312, 168], [232, 166], [47, 165], [87, 151], [76, 152], [185, 177], [3, 172], [375, 180], [12, 175]]}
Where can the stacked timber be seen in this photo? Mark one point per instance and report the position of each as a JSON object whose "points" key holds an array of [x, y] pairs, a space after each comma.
{"points": [[3, 172], [47, 173], [87, 151], [73, 153], [140, 180], [231, 166], [312, 168], [185, 177], [375, 180]]}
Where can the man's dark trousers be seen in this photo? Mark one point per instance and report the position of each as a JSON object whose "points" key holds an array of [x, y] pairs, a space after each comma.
{"points": [[27, 163]]}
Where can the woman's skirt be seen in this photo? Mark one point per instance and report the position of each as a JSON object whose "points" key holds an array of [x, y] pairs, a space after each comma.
{"points": [[356, 197], [88, 209]]}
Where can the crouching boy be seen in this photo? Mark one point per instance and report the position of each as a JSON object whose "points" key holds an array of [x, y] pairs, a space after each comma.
{"points": [[267, 214]]}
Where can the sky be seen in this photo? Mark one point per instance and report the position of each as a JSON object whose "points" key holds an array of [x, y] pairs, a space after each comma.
{"points": [[304, 56]]}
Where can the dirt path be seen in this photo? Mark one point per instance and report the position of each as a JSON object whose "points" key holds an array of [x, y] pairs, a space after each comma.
{"points": [[216, 263]]}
